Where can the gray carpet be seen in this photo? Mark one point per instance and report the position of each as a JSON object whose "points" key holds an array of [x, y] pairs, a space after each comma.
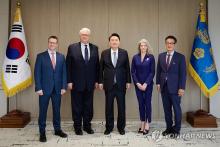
{"points": [[190, 137]]}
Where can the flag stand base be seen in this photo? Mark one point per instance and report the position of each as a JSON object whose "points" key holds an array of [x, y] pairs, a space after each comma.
{"points": [[15, 119], [201, 119]]}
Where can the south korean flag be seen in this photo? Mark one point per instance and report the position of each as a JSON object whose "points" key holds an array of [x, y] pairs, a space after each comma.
{"points": [[16, 72]]}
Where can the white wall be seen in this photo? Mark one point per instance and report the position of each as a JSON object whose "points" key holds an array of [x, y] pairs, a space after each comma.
{"points": [[214, 31], [4, 16]]}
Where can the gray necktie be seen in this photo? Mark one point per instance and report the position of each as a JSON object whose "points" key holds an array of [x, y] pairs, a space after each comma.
{"points": [[168, 61], [114, 63], [114, 59]]}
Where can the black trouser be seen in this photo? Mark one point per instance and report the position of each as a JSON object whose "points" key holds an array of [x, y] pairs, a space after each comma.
{"points": [[109, 108], [82, 108]]}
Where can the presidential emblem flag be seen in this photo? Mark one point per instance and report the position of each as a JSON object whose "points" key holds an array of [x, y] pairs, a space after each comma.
{"points": [[202, 65], [16, 72]]}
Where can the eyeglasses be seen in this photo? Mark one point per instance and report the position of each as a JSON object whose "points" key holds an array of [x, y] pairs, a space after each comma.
{"points": [[52, 42], [172, 43]]}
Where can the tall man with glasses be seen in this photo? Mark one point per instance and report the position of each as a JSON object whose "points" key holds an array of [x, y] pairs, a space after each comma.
{"points": [[82, 77], [171, 81]]}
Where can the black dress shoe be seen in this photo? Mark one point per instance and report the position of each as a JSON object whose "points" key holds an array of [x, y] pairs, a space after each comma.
{"points": [[174, 135], [88, 130], [107, 132], [122, 132], [166, 132], [78, 132], [140, 131], [61, 134], [145, 132], [43, 137]]}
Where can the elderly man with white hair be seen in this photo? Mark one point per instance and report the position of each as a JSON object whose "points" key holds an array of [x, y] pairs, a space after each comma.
{"points": [[82, 77]]}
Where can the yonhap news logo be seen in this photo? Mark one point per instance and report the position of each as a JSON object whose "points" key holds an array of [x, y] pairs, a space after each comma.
{"points": [[157, 135]]}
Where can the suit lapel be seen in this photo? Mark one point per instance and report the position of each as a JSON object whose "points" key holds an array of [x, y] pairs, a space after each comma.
{"points": [[119, 56], [91, 51], [164, 61], [110, 57], [57, 60], [79, 50]]}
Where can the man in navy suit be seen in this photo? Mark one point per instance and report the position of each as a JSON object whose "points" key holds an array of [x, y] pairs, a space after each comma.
{"points": [[82, 77], [50, 82], [171, 81]]}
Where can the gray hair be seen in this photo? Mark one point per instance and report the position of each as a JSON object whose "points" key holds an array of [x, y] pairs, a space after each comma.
{"points": [[149, 48], [85, 30]]}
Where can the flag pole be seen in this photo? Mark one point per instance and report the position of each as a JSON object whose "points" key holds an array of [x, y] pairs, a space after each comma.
{"points": [[200, 98], [213, 57], [201, 111], [16, 101], [9, 28], [7, 105]]}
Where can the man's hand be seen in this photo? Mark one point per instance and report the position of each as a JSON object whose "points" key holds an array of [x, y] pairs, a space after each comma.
{"points": [[139, 86], [63, 91], [101, 86], [181, 92], [158, 87], [144, 86], [96, 85], [70, 86], [40, 92], [128, 85]]}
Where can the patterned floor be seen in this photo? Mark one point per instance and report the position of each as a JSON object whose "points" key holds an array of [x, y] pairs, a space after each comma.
{"points": [[190, 137]]}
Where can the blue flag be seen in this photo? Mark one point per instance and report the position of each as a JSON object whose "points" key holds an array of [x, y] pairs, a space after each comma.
{"points": [[202, 65]]}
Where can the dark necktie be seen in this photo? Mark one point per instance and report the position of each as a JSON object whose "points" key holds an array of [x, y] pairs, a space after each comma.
{"points": [[86, 54], [168, 61]]}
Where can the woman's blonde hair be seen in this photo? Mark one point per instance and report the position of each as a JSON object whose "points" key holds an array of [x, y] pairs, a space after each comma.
{"points": [[149, 48]]}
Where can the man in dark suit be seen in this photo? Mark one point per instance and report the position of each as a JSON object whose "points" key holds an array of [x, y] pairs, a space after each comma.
{"points": [[114, 78], [50, 82], [82, 76], [171, 81]]}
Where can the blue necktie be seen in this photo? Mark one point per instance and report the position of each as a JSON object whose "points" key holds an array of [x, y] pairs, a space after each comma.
{"points": [[86, 54]]}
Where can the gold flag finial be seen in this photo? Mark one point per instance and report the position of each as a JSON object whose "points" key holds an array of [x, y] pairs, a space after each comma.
{"points": [[201, 5], [18, 4], [17, 12], [202, 13]]}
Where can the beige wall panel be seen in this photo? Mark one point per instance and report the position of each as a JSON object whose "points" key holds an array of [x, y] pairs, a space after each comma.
{"points": [[4, 17]]}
